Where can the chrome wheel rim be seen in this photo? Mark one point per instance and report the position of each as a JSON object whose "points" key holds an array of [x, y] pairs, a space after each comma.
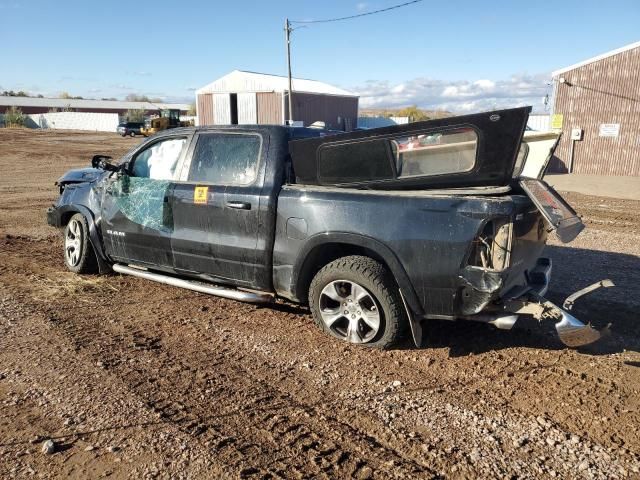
{"points": [[349, 311], [72, 243]]}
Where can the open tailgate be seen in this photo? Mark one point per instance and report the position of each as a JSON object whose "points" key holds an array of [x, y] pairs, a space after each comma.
{"points": [[540, 147], [561, 217]]}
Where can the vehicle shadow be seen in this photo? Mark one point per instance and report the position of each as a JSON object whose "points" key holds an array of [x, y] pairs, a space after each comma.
{"points": [[573, 269]]}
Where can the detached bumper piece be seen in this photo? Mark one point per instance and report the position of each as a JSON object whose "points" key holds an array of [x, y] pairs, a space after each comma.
{"points": [[53, 217], [527, 300], [571, 331]]}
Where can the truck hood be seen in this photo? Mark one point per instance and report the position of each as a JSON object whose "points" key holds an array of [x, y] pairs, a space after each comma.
{"points": [[80, 175]]}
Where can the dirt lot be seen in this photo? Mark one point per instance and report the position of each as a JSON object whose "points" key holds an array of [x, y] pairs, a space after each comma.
{"points": [[136, 380]]}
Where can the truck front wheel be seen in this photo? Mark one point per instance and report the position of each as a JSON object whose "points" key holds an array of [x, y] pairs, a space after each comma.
{"points": [[356, 299], [79, 256]]}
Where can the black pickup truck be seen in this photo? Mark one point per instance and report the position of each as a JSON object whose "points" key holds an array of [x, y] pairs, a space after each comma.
{"points": [[375, 230]]}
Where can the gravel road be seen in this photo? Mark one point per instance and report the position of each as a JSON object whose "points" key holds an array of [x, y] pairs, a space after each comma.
{"points": [[130, 379]]}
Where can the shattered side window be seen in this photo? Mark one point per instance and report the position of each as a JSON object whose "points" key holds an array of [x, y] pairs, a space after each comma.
{"points": [[225, 159], [435, 153], [140, 196], [159, 161], [141, 200]]}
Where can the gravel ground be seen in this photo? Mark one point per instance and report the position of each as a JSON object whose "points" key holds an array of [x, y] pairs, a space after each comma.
{"points": [[129, 379]]}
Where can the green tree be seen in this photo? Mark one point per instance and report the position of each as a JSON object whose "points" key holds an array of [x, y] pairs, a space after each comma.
{"points": [[13, 116], [134, 97], [192, 110], [136, 115], [414, 113]]}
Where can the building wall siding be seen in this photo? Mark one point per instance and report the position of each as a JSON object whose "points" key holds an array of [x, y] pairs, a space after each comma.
{"points": [[205, 109], [36, 110], [605, 91], [269, 108], [338, 113]]}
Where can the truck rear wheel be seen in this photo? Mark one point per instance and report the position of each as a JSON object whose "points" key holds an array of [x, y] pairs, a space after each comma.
{"points": [[79, 256], [356, 299]]}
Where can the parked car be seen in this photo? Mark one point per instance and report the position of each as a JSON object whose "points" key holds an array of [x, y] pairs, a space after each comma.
{"points": [[374, 238], [130, 128]]}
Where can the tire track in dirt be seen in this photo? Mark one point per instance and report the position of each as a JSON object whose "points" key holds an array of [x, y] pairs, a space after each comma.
{"points": [[142, 330], [247, 408], [284, 437]]}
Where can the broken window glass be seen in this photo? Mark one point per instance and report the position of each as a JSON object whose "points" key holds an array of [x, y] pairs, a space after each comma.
{"points": [[142, 201], [159, 161]]}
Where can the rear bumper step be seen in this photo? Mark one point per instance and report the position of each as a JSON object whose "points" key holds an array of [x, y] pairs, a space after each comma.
{"points": [[240, 295], [529, 300]]}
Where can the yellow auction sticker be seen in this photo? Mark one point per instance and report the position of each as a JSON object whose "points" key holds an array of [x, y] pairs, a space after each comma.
{"points": [[201, 195]]}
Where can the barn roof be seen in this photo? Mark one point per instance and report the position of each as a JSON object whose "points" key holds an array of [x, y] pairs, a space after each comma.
{"points": [[88, 104], [243, 81], [596, 58]]}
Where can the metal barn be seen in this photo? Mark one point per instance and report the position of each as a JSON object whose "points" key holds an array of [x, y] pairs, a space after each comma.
{"points": [[597, 107], [255, 98]]}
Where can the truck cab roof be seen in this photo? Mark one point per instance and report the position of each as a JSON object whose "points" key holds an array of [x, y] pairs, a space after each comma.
{"points": [[292, 133]]}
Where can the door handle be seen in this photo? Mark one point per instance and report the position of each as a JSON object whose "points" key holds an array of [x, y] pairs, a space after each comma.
{"points": [[239, 205]]}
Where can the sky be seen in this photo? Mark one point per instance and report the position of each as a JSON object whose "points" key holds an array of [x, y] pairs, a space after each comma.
{"points": [[457, 55]]}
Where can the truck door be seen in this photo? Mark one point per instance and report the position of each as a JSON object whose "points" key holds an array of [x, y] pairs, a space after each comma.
{"points": [[137, 219], [216, 208]]}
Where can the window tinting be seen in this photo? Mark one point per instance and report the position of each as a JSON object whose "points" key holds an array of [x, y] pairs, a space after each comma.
{"points": [[355, 162], [225, 159], [436, 153]]}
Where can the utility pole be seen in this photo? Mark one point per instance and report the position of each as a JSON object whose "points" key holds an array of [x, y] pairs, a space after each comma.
{"points": [[287, 34]]}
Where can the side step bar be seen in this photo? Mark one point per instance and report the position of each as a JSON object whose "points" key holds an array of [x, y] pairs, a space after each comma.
{"points": [[240, 295]]}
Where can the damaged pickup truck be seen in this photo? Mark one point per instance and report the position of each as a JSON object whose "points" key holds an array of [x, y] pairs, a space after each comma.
{"points": [[377, 230]]}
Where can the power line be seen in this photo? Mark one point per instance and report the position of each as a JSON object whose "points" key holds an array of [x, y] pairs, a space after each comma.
{"points": [[356, 16]]}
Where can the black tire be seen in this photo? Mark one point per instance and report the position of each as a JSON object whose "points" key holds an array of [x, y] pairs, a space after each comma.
{"points": [[381, 287], [132, 134], [79, 256]]}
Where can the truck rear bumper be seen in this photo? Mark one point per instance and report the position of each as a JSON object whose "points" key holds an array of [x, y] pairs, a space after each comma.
{"points": [[529, 300]]}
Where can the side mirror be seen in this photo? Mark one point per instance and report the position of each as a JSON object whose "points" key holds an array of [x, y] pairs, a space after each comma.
{"points": [[102, 162]]}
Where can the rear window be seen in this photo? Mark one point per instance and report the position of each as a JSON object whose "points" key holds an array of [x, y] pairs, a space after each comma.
{"points": [[436, 153], [225, 159], [419, 155], [355, 162]]}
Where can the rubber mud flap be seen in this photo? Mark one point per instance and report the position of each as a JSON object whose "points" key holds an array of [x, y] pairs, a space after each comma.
{"points": [[414, 323]]}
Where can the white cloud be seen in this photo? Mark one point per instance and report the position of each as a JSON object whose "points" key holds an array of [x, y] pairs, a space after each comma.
{"points": [[456, 96], [362, 6]]}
